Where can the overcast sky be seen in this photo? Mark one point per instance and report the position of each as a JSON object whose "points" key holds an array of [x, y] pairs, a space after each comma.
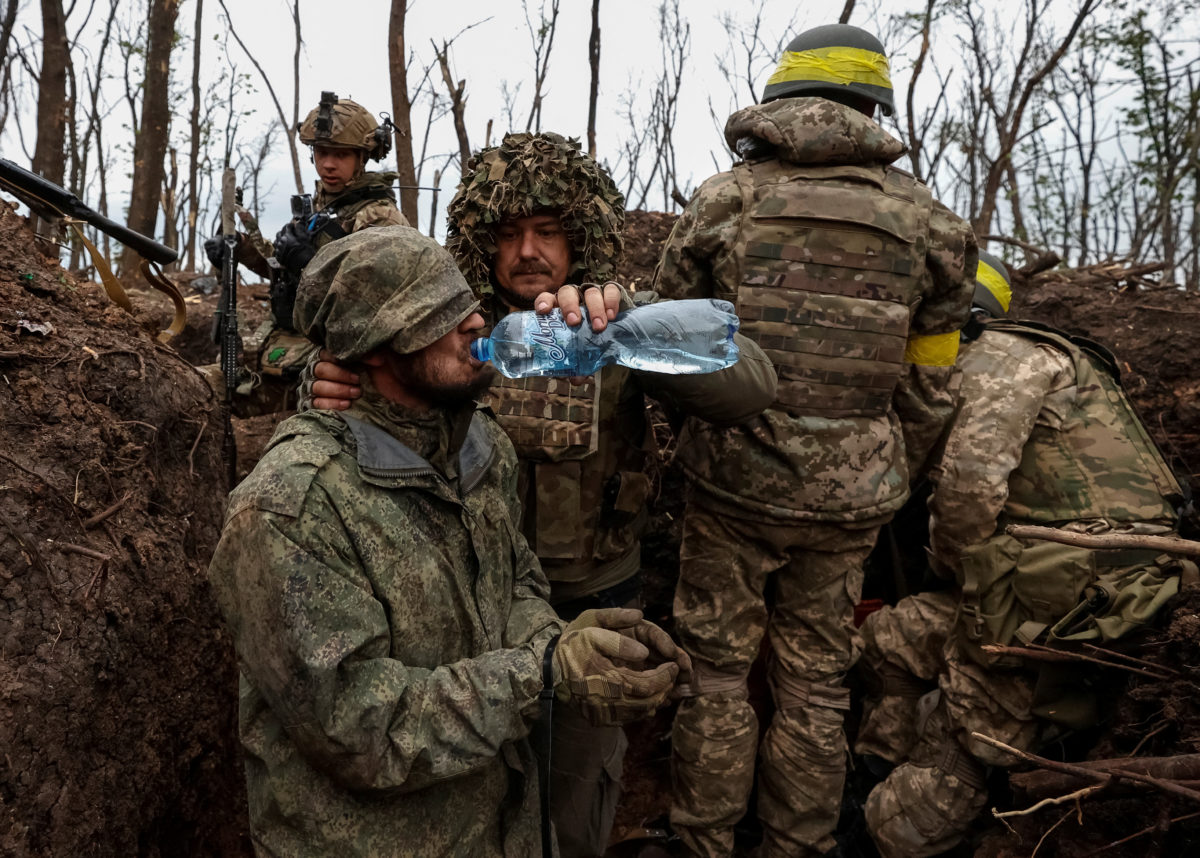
{"points": [[346, 52]]}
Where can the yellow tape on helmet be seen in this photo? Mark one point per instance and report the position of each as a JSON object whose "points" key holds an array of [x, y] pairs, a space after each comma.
{"points": [[994, 282], [932, 350], [834, 65]]}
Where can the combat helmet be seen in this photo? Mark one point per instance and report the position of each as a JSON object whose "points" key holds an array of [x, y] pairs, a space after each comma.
{"points": [[993, 289], [830, 61], [529, 174], [340, 123]]}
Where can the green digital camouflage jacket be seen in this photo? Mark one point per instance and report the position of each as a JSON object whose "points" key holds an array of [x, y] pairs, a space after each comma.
{"points": [[584, 451], [831, 464], [390, 624]]}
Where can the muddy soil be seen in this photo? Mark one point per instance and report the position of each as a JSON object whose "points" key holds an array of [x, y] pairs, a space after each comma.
{"points": [[117, 681]]}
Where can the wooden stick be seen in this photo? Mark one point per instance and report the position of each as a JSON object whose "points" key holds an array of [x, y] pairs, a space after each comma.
{"points": [[1102, 777], [1169, 544], [1149, 829], [1047, 802], [1036, 652]]}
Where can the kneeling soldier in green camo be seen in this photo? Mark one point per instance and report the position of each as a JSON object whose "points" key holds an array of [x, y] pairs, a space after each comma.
{"points": [[391, 622], [1043, 434]]}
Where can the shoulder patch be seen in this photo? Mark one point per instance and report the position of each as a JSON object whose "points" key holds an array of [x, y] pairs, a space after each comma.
{"points": [[281, 479]]}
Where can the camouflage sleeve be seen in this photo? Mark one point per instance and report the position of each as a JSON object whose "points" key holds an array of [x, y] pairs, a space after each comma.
{"points": [[984, 446], [378, 213], [707, 229], [924, 399], [530, 616], [726, 397], [950, 271], [316, 642]]}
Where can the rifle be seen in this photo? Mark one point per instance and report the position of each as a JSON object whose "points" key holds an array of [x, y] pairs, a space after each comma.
{"points": [[225, 323], [49, 200]]}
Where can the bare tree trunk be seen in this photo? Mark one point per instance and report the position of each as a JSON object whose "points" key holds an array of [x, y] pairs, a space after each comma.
{"points": [[458, 103], [847, 11], [1010, 117], [543, 42], [402, 112], [150, 145], [6, 28], [594, 87], [49, 158], [170, 202], [283, 120], [193, 202], [915, 141]]}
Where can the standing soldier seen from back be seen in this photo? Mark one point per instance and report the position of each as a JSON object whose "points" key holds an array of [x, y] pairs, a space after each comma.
{"points": [[531, 215], [855, 282], [343, 136], [1043, 434]]}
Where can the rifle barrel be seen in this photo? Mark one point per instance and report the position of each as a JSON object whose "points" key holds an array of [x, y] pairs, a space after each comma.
{"points": [[47, 198]]}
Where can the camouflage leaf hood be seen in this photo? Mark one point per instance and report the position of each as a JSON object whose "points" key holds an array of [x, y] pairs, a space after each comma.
{"points": [[527, 174], [814, 131]]}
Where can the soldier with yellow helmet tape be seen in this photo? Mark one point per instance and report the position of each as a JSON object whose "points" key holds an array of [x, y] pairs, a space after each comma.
{"points": [[1043, 433], [856, 282]]}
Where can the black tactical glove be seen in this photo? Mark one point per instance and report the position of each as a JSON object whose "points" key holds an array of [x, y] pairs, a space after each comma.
{"points": [[294, 247], [214, 249]]}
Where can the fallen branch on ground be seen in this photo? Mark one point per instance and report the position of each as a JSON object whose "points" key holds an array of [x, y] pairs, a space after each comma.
{"points": [[1168, 544]]}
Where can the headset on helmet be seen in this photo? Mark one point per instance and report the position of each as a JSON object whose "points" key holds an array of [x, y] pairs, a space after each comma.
{"points": [[340, 123], [831, 61]]}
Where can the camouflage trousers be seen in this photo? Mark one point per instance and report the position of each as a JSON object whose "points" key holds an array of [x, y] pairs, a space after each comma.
{"points": [[927, 698], [797, 583]]}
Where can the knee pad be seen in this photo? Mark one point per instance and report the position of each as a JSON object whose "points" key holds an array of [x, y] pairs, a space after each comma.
{"points": [[921, 811]]}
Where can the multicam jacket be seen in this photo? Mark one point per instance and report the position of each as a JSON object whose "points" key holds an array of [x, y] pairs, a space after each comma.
{"points": [[854, 281], [367, 201], [391, 624], [584, 451], [1044, 434]]}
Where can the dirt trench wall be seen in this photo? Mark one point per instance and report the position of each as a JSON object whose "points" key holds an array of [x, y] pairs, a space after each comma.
{"points": [[117, 681]]}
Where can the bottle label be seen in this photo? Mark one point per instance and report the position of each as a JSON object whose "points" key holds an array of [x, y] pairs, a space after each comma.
{"points": [[550, 328]]}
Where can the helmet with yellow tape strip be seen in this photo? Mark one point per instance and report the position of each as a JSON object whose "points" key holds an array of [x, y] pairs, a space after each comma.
{"points": [[831, 62], [993, 289]]}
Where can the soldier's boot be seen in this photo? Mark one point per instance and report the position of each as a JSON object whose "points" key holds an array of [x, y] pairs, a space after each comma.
{"points": [[888, 729], [713, 744], [803, 767], [926, 805]]}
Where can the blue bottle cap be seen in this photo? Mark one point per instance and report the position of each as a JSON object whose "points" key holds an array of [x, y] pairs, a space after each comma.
{"points": [[481, 349]]}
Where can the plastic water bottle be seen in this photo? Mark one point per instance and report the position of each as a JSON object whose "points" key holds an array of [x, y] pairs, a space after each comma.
{"points": [[677, 337]]}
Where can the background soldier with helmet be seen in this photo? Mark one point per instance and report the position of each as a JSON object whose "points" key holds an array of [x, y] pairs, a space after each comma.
{"points": [[531, 215], [343, 136], [856, 283], [1043, 434]]}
